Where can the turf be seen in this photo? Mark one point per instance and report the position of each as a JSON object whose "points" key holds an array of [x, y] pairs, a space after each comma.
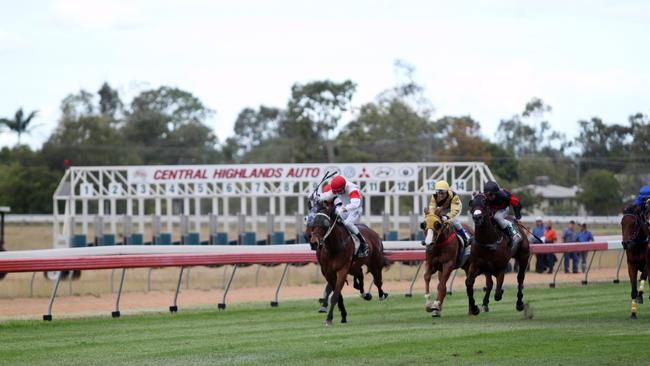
{"points": [[570, 325]]}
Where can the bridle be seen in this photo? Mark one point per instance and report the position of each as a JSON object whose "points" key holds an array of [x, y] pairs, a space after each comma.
{"points": [[634, 238], [321, 241]]}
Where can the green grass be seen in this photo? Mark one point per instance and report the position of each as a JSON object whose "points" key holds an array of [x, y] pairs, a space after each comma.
{"points": [[571, 325]]}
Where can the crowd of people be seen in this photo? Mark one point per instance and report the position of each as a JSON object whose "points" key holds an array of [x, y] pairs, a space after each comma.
{"points": [[544, 233]]}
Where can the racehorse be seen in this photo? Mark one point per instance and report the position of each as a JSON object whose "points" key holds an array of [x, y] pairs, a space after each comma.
{"points": [[355, 271], [335, 252], [442, 256], [635, 239], [490, 255]]}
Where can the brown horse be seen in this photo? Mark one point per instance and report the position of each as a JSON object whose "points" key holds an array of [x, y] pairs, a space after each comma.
{"points": [[335, 255], [355, 271], [490, 256], [442, 256], [635, 239]]}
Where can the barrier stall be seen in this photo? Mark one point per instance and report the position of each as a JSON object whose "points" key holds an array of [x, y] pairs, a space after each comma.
{"points": [[125, 201], [123, 257]]}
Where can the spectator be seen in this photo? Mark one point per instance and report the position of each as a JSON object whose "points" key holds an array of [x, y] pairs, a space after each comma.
{"points": [[584, 236], [550, 237], [569, 236], [538, 231]]}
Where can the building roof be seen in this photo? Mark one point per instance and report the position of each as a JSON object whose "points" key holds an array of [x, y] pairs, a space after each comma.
{"points": [[550, 190]]}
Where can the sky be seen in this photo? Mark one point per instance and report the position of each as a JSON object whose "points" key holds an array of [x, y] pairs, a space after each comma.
{"points": [[485, 59]]}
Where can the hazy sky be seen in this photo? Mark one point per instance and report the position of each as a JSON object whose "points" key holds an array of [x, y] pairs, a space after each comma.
{"points": [[485, 59]]}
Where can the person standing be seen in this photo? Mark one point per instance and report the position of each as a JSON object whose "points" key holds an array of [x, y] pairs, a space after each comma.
{"points": [[569, 236], [550, 237], [538, 231], [584, 236]]}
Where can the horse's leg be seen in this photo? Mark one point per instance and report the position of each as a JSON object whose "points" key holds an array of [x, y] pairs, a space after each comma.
{"points": [[498, 293], [428, 305], [341, 274], [344, 313], [377, 280], [632, 272], [469, 285], [521, 274], [644, 277], [325, 300], [488, 290], [443, 276]]}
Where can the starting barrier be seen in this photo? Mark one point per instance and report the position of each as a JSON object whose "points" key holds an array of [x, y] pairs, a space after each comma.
{"points": [[135, 256]]}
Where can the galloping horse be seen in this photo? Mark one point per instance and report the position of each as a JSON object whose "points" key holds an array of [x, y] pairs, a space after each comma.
{"points": [[442, 256], [635, 239], [335, 254], [490, 256]]}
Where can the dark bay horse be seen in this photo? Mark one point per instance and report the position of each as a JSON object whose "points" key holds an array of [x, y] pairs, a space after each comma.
{"points": [[335, 255], [490, 256], [635, 242], [441, 256]]}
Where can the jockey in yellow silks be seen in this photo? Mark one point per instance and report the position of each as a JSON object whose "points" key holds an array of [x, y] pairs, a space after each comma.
{"points": [[449, 206]]}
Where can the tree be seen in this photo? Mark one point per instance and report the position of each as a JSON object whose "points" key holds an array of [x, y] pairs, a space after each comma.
{"points": [[20, 123], [388, 132], [461, 140], [253, 127], [27, 189], [109, 101], [313, 112], [178, 105], [601, 193]]}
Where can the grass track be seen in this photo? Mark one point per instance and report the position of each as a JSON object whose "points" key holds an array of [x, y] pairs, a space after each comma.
{"points": [[571, 325]]}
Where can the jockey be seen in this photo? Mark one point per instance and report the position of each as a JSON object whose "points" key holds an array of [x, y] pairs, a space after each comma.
{"points": [[644, 195], [347, 200], [499, 201], [450, 206]]}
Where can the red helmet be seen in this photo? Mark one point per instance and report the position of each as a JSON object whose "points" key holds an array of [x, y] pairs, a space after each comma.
{"points": [[338, 184]]}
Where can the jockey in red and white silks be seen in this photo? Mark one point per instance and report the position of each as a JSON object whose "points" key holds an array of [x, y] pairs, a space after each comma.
{"points": [[346, 198]]}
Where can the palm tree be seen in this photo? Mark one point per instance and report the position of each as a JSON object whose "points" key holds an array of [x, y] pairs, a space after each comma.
{"points": [[19, 124]]}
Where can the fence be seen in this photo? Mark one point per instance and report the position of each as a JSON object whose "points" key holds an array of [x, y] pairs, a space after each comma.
{"points": [[123, 257]]}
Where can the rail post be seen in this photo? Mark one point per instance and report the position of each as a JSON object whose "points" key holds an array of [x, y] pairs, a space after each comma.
{"points": [[174, 307], [586, 281], [560, 264], [274, 303], [415, 276], [618, 267], [222, 304], [116, 313], [48, 316]]}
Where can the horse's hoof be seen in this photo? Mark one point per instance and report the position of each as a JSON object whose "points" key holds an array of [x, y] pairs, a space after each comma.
{"points": [[321, 301], [486, 309], [384, 297], [436, 313], [322, 309], [428, 308], [474, 310], [498, 295], [633, 316], [367, 296], [520, 306], [639, 299], [344, 320], [328, 323]]}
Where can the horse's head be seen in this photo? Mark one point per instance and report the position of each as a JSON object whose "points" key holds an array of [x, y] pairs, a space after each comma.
{"points": [[318, 228], [630, 226], [478, 208], [434, 223]]}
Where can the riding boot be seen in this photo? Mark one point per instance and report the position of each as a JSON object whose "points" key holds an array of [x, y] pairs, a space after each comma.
{"points": [[463, 235], [363, 246], [514, 235]]}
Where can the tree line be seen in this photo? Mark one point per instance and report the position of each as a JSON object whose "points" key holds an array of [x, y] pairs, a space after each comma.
{"points": [[168, 125]]}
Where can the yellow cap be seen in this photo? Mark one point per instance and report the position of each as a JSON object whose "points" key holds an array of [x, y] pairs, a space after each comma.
{"points": [[442, 185]]}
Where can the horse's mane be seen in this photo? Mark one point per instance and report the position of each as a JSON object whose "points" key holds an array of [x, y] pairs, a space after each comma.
{"points": [[631, 209]]}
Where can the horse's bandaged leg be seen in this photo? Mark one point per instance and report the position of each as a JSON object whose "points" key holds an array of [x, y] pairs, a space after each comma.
{"points": [[429, 238], [641, 285], [436, 304], [427, 299]]}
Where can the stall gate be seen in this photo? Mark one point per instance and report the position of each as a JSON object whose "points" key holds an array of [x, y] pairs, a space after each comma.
{"points": [[144, 204]]}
